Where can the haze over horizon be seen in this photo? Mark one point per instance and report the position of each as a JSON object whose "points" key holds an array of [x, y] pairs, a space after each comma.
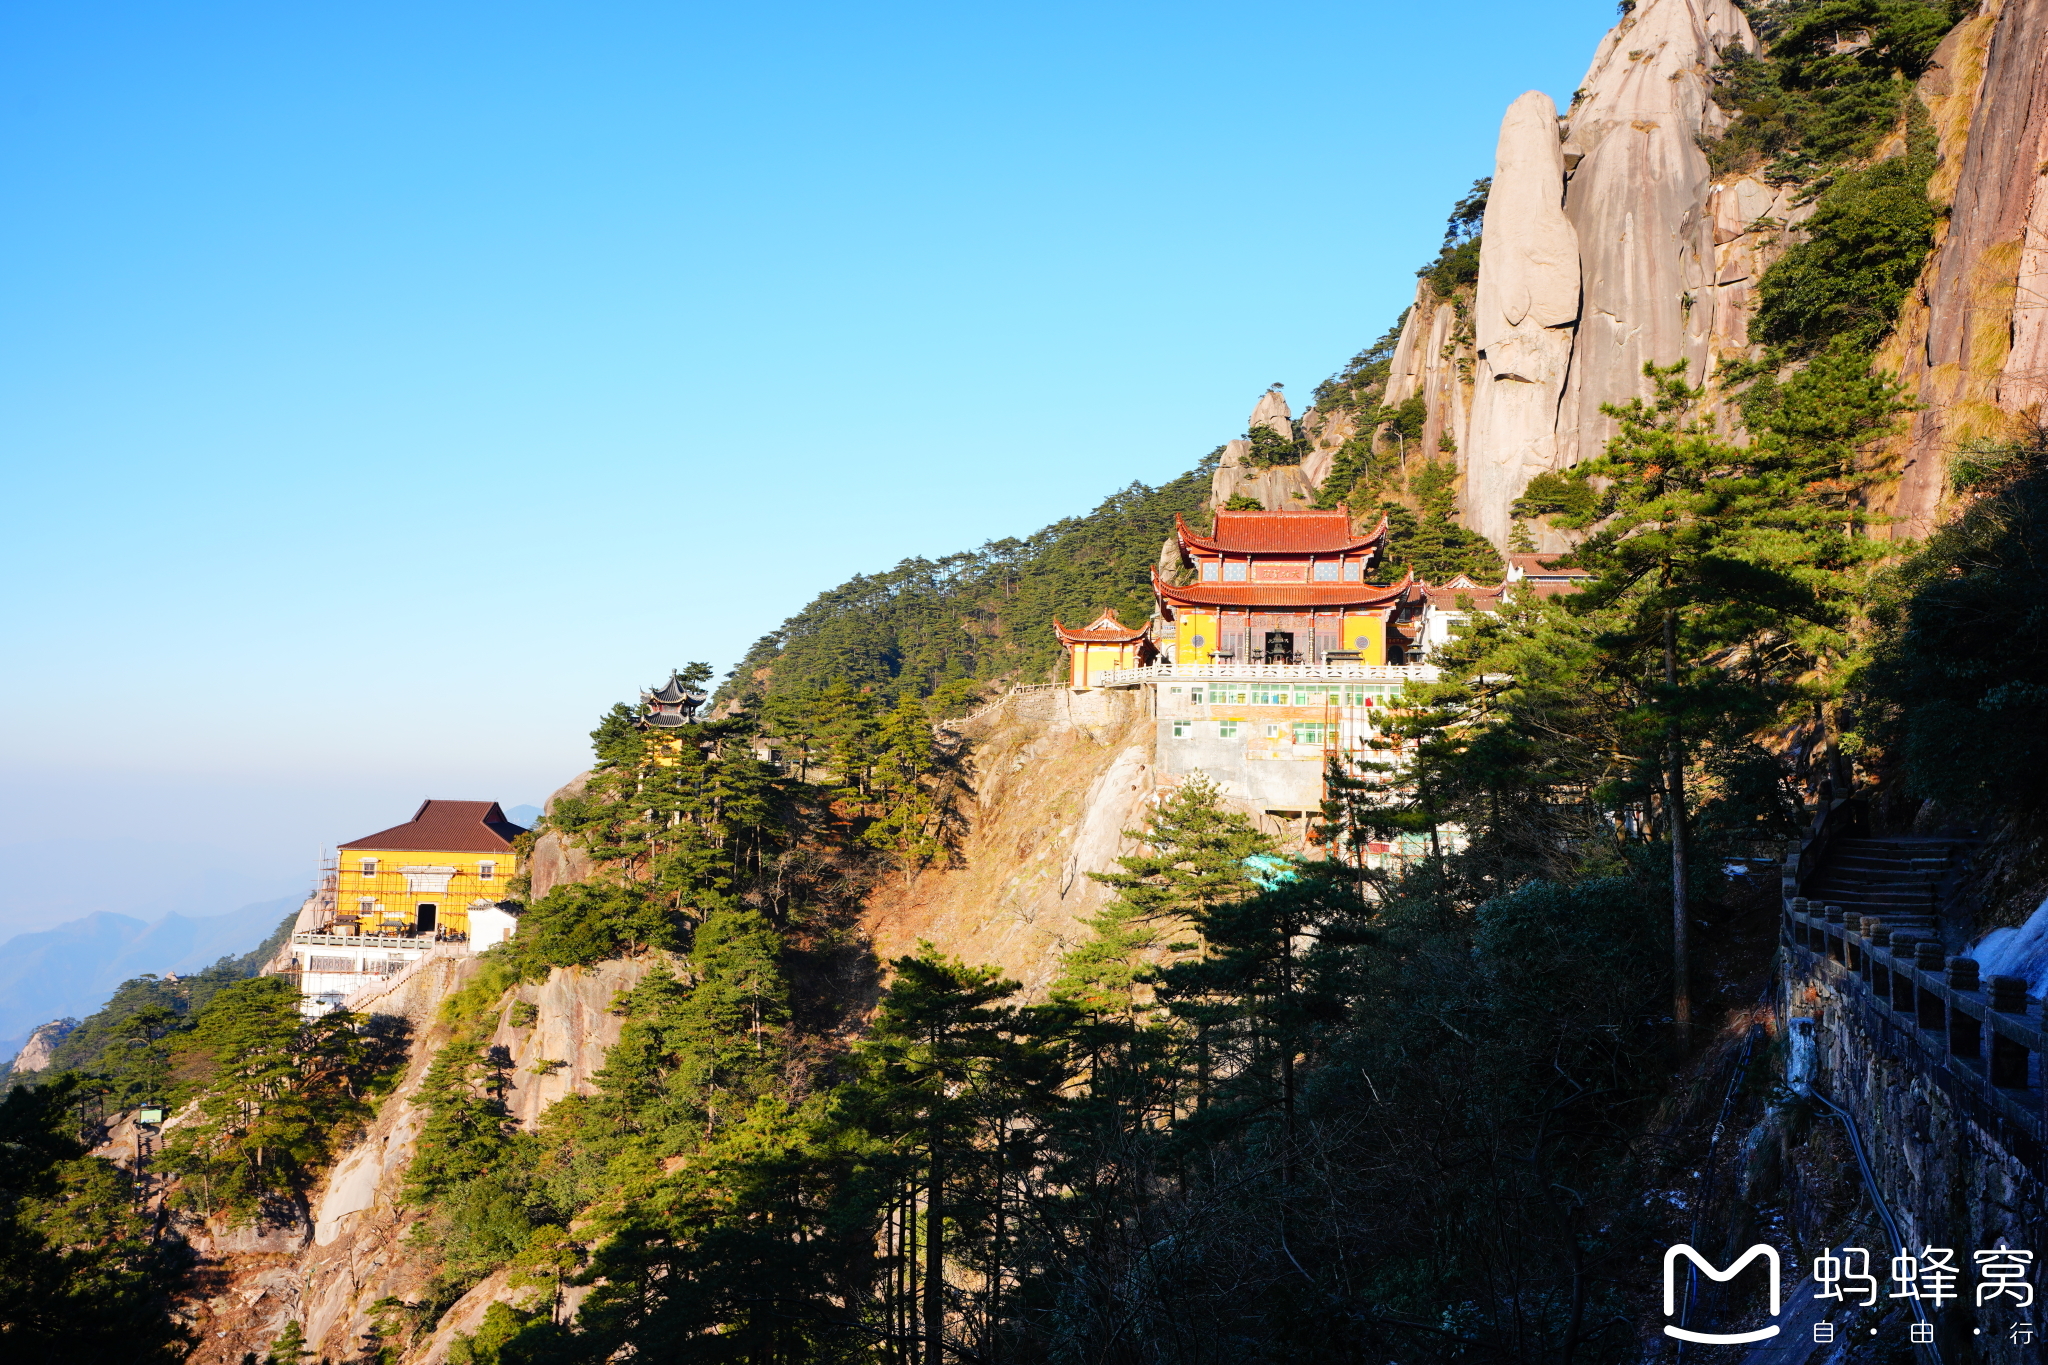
{"points": [[391, 390]]}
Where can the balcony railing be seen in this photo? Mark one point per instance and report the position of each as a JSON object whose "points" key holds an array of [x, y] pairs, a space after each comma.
{"points": [[1154, 673], [371, 940]]}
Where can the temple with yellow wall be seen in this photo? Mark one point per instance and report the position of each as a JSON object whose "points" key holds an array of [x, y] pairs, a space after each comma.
{"points": [[1283, 588], [425, 876], [1103, 644]]}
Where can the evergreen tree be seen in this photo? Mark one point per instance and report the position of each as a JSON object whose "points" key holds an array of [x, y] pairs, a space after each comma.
{"points": [[288, 1347], [81, 1279], [274, 1092], [1437, 547], [1195, 859], [910, 823]]}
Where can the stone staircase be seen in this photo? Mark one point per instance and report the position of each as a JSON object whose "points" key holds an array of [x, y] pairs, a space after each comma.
{"points": [[1898, 879]]}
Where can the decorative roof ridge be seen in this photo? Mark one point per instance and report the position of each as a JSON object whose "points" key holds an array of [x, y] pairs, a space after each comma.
{"points": [[1189, 538], [1334, 594]]}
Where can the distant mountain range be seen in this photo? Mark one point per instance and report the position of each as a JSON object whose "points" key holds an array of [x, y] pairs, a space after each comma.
{"points": [[51, 882], [73, 968]]}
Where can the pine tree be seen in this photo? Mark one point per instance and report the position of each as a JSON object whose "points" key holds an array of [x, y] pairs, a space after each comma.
{"points": [[910, 823], [1702, 547], [288, 1347], [944, 1071], [1195, 860]]}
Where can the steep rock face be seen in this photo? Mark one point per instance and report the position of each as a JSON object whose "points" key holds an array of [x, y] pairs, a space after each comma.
{"points": [[1972, 342], [1638, 197], [556, 861], [1434, 358], [1605, 246], [35, 1053], [1057, 779], [353, 1251], [1527, 301]]}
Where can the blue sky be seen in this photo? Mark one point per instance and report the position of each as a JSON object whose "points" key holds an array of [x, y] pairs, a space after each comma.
{"points": [[386, 389]]}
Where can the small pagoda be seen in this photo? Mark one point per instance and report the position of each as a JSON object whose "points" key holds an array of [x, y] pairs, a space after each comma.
{"points": [[1104, 643], [672, 705]]}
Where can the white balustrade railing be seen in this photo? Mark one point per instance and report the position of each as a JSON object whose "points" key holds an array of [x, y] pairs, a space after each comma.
{"points": [[1154, 673], [376, 990]]}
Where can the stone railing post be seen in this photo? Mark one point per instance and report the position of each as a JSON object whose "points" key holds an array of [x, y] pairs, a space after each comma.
{"points": [[1905, 947], [2008, 1056], [1880, 939], [1965, 1033], [1838, 944], [1929, 1011]]}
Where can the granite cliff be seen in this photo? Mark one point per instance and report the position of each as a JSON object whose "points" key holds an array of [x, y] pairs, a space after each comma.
{"points": [[1607, 243]]}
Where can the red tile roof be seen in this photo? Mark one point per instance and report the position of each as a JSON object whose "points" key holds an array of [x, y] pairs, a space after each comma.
{"points": [[1103, 630], [1281, 533], [1482, 599], [1541, 566], [1483, 596], [447, 826], [1268, 595]]}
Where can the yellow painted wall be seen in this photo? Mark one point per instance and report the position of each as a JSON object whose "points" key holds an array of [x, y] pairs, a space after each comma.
{"points": [[1191, 624], [388, 886], [1365, 631], [1087, 660]]}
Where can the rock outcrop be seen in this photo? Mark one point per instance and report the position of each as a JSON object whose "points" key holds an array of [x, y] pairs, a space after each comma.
{"points": [[1972, 342], [1607, 245], [556, 861], [1278, 488], [35, 1053], [352, 1250], [1522, 316], [1638, 194]]}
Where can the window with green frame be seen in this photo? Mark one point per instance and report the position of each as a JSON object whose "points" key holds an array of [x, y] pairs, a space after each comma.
{"points": [[1311, 731]]}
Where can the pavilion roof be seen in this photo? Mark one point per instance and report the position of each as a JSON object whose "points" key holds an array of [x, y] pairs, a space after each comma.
{"points": [[1105, 629], [1483, 596], [1269, 595], [1538, 566], [1281, 533]]}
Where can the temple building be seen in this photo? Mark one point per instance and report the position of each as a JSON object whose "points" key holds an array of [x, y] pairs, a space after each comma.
{"points": [[440, 881], [1104, 643], [672, 705], [1280, 588], [1273, 652], [424, 876]]}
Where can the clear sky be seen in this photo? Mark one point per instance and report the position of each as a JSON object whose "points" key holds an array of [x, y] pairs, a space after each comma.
{"points": [[386, 389]]}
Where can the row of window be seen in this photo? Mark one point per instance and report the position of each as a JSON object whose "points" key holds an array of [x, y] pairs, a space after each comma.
{"points": [[1300, 731], [1328, 571], [1291, 694], [485, 871]]}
